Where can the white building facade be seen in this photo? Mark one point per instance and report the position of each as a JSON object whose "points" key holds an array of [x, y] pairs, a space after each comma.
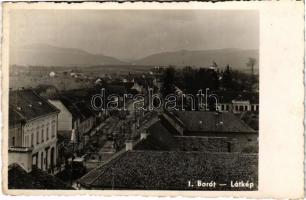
{"points": [[38, 130]]}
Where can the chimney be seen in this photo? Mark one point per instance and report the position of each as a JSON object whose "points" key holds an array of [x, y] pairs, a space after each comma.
{"points": [[129, 145], [22, 156]]}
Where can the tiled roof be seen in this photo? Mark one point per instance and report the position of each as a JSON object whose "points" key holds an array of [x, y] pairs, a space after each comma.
{"points": [[159, 138], [201, 121], [84, 109], [251, 119], [78, 109], [18, 178], [204, 144], [30, 105], [14, 117], [70, 106], [160, 170]]}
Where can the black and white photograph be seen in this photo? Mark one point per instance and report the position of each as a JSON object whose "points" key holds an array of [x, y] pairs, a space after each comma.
{"points": [[148, 97], [143, 99], [133, 100]]}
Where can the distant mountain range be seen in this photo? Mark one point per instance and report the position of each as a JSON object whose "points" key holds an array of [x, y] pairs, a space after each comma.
{"points": [[236, 58], [47, 55]]}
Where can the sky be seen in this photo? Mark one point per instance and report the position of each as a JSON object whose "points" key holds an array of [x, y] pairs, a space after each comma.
{"points": [[133, 34]]}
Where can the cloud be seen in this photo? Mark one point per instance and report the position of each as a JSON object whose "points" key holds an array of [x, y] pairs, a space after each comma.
{"points": [[135, 34]]}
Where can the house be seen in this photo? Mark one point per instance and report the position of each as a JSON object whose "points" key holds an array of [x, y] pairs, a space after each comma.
{"points": [[177, 149], [74, 117], [159, 138], [33, 125], [240, 137], [68, 117], [171, 170], [19, 178], [141, 84], [237, 102], [16, 123]]}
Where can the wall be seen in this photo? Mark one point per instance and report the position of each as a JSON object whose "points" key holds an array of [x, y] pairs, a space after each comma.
{"points": [[15, 135], [174, 124], [64, 117], [41, 135], [239, 142], [238, 107], [85, 126], [22, 156]]}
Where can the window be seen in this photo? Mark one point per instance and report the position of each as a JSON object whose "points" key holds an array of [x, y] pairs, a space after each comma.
{"points": [[13, 141], [229, 147], [26, 141], [53, 129], [47, 133], [42, 134], [32, 140], [37, 136], [42, 161], [227, 107], [222, 107]]}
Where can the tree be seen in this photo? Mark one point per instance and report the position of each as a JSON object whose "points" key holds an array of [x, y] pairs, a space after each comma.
{"points": [[214, 65], [189, 80], [227, 81], [206, 79], [251, 63], [168, 81]]}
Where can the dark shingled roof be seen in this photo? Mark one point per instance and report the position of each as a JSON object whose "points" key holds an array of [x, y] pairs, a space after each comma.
{"points": [[159, 138], [70, 106], [200, 121], [84, 109], [30, 105], [251, 119], [171, 170], [207, 144], [15, 117], [78, 109], [18, 178]]}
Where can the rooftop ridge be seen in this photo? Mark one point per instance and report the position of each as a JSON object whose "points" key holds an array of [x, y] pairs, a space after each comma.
{"points": [[45, 100], [194, 152], [109, 160]]}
